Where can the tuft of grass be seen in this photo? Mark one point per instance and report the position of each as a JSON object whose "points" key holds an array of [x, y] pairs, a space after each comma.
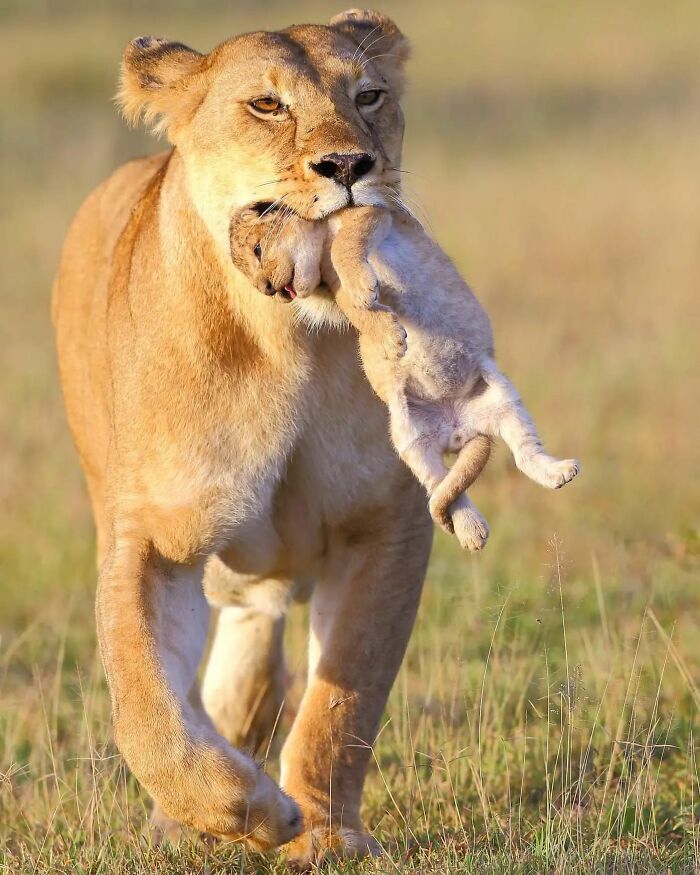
{"points": [[545, 716]]}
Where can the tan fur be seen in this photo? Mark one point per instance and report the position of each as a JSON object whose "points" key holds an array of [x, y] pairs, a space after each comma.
{"points": [[445, 394], [211, 420]]}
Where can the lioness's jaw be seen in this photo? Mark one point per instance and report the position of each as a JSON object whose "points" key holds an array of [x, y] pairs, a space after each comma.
{"points": [[160, 82]]}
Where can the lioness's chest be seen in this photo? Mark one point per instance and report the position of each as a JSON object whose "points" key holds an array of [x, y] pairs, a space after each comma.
{"points": [[339, 469]]}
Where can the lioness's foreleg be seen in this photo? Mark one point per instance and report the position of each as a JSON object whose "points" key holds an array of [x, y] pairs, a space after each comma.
{"points": [[152, 623], [245, 681], [363, 609]]}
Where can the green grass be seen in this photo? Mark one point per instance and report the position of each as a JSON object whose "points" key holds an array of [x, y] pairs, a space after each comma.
{"points": [[545, 718]]}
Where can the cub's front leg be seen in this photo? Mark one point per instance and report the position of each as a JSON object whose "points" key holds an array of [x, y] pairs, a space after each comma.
{"points": [[357, 232]]}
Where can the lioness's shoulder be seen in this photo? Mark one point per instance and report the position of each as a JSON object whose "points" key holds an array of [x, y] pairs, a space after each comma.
{"points": [[116, 197], [98, 224]]}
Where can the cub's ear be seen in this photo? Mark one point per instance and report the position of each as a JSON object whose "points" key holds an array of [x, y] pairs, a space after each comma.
{"points": [[378, 39], [161, 82]]}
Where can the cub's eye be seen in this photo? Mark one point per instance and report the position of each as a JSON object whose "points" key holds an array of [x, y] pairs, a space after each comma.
{"points": [[369, 98], [266, 105]]}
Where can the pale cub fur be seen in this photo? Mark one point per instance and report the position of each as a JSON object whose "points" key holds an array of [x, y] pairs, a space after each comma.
{"points": [[427, 348]]}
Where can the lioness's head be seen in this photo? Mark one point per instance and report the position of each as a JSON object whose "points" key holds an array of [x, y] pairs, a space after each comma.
{"points": [[306, 118]]}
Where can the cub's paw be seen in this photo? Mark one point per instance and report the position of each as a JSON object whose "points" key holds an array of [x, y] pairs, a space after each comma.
{"points": [[321, 844], [370, 296], [555, 473], [395, 343], [470, 527]]}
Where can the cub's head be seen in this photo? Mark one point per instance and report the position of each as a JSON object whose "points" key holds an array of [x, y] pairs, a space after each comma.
{"points": [[306, 118]]}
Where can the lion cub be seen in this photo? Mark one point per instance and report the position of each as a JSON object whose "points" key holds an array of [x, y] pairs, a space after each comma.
{"points": [[425, 341]]}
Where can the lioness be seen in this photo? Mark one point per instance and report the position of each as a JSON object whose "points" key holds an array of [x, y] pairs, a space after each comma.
{"points": [[446, 394], [218, 427]]}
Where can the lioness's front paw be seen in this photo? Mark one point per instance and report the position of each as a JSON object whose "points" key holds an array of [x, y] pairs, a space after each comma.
{"points": [[271, 817], [470, 527], [243, 805], [330, 842]]}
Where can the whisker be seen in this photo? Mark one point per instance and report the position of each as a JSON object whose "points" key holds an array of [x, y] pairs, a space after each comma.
{"points": [[405, 208], [420, 213], [272, 227], [412, 198], [284, 223], [365, 37], [361, 58], [375, 57], [269, 234], [280, 223], [273, 205]]}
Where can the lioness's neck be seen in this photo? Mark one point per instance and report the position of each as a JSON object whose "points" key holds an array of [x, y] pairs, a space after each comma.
{"points": [[203, 287]]}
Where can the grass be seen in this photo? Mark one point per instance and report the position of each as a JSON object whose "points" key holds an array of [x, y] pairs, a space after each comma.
{"points": [[546, 715]]}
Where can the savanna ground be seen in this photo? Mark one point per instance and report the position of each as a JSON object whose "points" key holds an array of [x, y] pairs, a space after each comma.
{"points": [[546, 716]]}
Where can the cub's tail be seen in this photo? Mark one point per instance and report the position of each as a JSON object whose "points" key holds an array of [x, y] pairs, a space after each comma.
{"points": [[469, 464]]}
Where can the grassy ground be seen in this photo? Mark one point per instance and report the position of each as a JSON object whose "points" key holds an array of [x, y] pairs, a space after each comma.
{"points": [[546, 715]]}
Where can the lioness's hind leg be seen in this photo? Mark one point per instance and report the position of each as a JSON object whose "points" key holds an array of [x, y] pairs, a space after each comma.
{"points": [[245, 681]]}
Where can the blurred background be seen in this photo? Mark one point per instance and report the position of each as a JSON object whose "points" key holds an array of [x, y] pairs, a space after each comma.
{"points": [[554, 151]]}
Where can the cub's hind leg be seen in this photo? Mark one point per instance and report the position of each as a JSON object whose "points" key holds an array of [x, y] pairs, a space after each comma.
{"points": [[416, 437], [499, 411]]}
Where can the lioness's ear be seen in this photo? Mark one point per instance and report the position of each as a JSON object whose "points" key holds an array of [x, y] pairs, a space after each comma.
{"points": [[160, 82], [378, 39]]}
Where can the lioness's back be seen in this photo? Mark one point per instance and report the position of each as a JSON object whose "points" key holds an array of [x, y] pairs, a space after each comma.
{"points": [[80, 301]]}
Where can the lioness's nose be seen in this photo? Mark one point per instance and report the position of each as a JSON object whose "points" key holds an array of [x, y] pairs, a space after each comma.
{"points": [[346, 168]]}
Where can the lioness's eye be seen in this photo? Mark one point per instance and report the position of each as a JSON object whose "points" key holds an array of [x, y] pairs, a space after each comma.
{"points": [[266, 104], [369, 98]]}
